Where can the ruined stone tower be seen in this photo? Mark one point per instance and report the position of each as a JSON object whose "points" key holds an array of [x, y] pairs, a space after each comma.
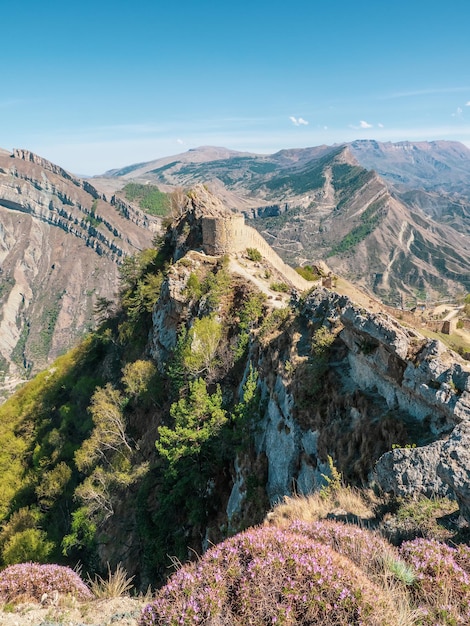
{"points": [[223, 234]]}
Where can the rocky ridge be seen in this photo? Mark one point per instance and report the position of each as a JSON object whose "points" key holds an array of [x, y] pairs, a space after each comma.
{"points": [[61, 243], [382, 385], [334, 380], [393, 218]]}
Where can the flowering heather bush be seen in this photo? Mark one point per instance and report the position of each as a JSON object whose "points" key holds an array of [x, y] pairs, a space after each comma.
{"points": [[269, 576], [32, 580], [358, 544], [443, 580]]}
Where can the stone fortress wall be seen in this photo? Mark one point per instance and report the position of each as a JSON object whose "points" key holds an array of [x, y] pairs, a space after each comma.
{"points": [[229, 234]]}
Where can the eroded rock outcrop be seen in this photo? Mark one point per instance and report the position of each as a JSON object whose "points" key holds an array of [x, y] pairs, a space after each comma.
{"points": [[454, 467], [411, 471], [61, 244]]}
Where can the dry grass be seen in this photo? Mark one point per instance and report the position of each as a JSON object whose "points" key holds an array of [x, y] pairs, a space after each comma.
{"points": [[342, 503], [426, 581], [117, 584]]}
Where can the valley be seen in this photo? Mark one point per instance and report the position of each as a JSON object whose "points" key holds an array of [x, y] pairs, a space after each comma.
{"points": [[382, 215], [61, 244]]}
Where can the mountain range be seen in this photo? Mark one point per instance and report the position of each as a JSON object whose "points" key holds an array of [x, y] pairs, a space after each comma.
{"points": [[395, 218]]}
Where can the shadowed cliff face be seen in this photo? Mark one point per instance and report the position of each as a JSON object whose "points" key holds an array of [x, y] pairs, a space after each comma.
{"points": [[61, 244]]}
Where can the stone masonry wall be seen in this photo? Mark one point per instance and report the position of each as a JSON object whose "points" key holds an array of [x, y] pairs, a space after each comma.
{"points": [[229, 234]]}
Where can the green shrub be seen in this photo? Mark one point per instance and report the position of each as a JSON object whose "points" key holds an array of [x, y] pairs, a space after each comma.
{"points": [[197, 418], [307, 272], [30, 544], [254, 254], [280, 287]]}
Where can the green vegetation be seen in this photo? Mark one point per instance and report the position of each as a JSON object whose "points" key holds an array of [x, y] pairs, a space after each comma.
{"points": [[149, 197], [197, 417], [254, 254], [42, 424], [92, 218], [280, 287], [309, 178], [466, 308], [6, 285], [40, 344], [419, 516], [370, 219], [200, 351], [307, 272], [350, 177], [333, 480], [273, 322], [18, 353], [67, 447], [278, 221], [73, 439]]}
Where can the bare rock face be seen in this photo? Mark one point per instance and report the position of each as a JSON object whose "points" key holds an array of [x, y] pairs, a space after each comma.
{"points": [[61, 244], [454, 467], [408, 471], [419, 376]]}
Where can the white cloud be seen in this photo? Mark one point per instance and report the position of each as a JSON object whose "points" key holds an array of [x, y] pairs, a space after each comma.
{"points": [[362, 125], [458, 112], [467, 104], [423, 92], [380, 125], [180, 141], [298, 121]]}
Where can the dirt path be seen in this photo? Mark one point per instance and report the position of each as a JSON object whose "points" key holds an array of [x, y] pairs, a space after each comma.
{"points": [[251, 272], [124, 611]]}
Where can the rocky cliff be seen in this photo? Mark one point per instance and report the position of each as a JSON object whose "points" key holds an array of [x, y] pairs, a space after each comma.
{"points": [[208, 397], [61, 243], [336, 379], [379, 385]]}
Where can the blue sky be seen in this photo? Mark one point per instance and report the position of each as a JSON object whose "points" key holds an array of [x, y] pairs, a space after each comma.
{"points": [[97, 84]]}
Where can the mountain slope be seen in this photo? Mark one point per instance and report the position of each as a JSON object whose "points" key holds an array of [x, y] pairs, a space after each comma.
{"points": [[424, 165], [200, 404], [344, 204], [61, 244], [433, 177], [369, 235]]}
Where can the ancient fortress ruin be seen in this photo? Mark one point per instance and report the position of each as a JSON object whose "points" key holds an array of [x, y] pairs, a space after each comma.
{"points": [[221, 231], [227, 233]]}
